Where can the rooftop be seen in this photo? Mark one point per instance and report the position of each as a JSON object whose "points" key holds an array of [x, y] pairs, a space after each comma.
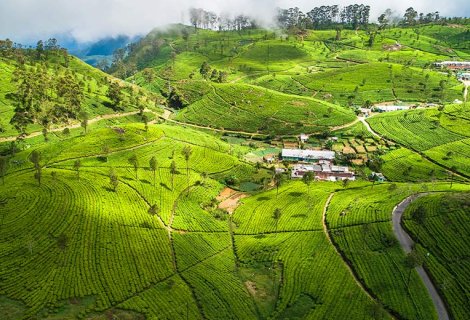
{"points": [[308, 154]]}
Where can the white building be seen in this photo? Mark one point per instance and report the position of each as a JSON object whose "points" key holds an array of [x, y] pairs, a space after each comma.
{"points": [[391, 108], [304, 137], [307, 155], [464, 76], [454, 65]]}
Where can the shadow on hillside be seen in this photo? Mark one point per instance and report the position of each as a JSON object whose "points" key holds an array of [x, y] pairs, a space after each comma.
{"points": [[108, 189], [165, 186], [296, 194]]}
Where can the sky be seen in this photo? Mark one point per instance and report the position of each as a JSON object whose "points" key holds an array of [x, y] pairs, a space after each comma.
{"points": [[26, 21]]}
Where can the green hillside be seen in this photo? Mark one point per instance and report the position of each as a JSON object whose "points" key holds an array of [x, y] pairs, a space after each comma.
{"points": [[92, 86], [169, 198], [443, 234]]}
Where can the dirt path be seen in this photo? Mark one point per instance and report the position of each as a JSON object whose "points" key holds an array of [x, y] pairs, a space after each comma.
{"points": [[407, 243], [351, 271], [347, 125], [77, 124], [363, 120], [166, 114]]}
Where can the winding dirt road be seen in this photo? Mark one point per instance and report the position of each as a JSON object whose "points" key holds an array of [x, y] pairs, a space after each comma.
{"points": [[407, 243]]}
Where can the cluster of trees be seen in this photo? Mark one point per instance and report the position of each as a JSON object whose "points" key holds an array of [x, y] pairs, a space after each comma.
{"points": [[43, 50], [45, 98], [201, 18], [411, 17], [354, 15], [208, 72]]}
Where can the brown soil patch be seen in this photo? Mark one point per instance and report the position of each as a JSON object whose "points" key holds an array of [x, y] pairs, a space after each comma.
{"points": [[224, 194], [298, 103], [251, 286], [229, 199], [291, 145], [358, 162]]}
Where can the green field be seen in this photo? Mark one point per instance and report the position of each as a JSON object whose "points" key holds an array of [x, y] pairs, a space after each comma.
{"points": [[443, 239], [182, 218], [257, 110], [442, 136]]}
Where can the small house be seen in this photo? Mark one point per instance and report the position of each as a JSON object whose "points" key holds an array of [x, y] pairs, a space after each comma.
{"points": [[377, 176], [303, 137]]}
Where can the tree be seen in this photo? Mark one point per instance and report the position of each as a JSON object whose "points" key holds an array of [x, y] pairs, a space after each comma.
{"points": [[410, 16], [134, 161], [278, 179], [187, 152], [412, 260], [308, 179], [3, 168], [39, 49], [345, 182], [339, 29], [35, 158], [173, 171], [372, 34], [154, 210], [383, 21], [153, 164], [277, 215], [76, 166], [145, 120], [148, 74], [113, 179], [205, 69], [84, 117], [114, 94]]}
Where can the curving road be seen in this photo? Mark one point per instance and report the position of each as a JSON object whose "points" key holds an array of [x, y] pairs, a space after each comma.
{"points": [[407, 243]]}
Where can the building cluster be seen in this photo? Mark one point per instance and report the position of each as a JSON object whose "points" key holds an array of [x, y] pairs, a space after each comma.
{"points": [[389, 108], [454, 65], [319, 162], [323, 170]]}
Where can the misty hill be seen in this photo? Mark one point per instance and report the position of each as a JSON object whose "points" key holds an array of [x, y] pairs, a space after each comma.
{"points": [[101, 50]]}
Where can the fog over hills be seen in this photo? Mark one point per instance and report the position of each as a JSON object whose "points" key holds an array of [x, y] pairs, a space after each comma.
{"points": [[86, 20]]}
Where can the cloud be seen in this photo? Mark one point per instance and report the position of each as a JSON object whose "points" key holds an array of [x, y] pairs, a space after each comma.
{"points": [[88, 20]]}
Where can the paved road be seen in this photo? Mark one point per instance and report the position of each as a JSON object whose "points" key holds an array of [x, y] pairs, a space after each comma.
{"points": [[407, 243]]}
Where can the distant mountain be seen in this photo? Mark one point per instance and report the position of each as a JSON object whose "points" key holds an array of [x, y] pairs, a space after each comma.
{"points": [[93, 52]]}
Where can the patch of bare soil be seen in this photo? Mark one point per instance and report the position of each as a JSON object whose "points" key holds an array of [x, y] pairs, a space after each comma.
{"points": [[229, 199]]}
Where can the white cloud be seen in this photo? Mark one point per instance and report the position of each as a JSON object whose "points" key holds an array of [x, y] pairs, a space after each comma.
{"points": [[27, 20]]}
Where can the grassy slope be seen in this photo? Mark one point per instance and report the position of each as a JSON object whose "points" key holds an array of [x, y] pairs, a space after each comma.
{"points": [[254, 109], [95, 102], [443, 136], [210, 265], [444, 240]]}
